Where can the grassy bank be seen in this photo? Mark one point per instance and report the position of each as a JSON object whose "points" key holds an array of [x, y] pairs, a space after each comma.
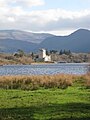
{"points": [[42, 81], [56, 97]]}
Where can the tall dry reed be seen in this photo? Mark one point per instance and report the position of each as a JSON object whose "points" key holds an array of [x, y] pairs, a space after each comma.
{"points": [[46, 81], [87, 80], [35, 82]]}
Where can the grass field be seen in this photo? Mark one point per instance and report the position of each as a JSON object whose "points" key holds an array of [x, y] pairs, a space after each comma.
{"points": [[55, 97], [72, 103]]}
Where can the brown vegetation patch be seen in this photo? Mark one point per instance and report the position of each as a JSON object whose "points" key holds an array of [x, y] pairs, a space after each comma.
{"points": [[43, 81]]}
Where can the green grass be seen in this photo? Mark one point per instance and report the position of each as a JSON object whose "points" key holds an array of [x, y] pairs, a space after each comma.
{"points": [[72, 103]]}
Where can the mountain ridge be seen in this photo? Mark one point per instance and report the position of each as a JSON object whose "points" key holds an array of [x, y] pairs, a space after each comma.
{"points": [[24, 36], [11, 40], [78, 41]]}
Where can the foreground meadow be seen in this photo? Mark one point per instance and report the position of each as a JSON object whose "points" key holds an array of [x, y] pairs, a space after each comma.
{"points": [[59, 97]]}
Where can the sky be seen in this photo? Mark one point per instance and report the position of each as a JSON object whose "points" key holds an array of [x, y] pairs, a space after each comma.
{"points": [[59, 17]]}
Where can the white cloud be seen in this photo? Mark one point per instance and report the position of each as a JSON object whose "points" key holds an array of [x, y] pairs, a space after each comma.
{"points": [[14, 15], [11, 19], [57, 19], [3, 3], [30, 3], [21, 3]]}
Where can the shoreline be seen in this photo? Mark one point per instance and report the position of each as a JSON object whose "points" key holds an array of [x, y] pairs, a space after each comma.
{"points": [[42, 63]]}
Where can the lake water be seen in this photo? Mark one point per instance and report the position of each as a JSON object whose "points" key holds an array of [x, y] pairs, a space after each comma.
{"points": [[43, 69]]}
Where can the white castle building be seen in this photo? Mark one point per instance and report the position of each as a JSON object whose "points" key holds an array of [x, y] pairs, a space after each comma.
{"points": [[44, 56]]}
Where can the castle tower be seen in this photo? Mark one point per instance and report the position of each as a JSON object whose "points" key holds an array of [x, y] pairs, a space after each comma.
{"points": [[42, 53]]}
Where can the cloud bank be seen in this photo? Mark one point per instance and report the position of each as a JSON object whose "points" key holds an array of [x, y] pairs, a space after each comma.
{"points": [[18, 15]]}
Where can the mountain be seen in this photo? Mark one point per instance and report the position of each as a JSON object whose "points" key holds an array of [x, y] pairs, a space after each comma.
{"points": [[79, 41], [12, 40], [11, 46], [23, 36]]}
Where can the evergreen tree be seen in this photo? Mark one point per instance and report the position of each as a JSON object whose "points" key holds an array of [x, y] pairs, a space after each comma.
{"points": [[47, 53], [32, 54], [61, 52]]}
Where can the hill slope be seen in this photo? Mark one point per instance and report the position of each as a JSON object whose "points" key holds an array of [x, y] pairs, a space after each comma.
{"points": [[12, 40], [10, 46], [23, 36], [79, 41]]}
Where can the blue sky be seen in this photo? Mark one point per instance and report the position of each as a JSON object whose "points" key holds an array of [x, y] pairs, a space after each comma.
{"points": [[60, 17], [67, 4]]}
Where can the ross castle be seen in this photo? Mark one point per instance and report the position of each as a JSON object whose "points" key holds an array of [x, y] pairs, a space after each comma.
{"points": [[44, 56]]}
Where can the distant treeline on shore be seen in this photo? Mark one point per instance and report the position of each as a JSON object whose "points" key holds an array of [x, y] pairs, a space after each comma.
{"points": [[21, 57]]}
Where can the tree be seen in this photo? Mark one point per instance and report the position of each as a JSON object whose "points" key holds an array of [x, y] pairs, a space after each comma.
{"points": [[53, 51], [61, 52], [68, 52], [47, 53], [32, 54], [64, 52], [20, 53]]}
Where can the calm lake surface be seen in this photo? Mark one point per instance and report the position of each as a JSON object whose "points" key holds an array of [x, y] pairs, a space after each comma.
{"points": [[43, 69]]}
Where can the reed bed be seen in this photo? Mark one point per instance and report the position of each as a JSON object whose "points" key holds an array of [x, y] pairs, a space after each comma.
{"points": [[87, 80], [42, 81]]}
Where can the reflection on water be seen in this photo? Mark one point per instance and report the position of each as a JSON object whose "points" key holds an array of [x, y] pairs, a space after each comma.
{"points": [[68, 68]]}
